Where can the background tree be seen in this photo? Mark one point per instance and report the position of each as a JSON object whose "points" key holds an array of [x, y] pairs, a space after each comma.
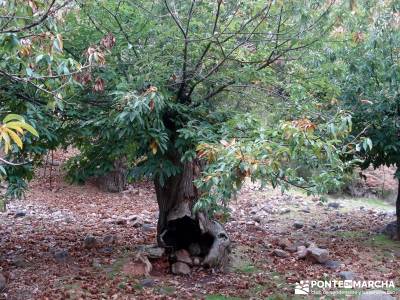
{"points": [[370, 77]]}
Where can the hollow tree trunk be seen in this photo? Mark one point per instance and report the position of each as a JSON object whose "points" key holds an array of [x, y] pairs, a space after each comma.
{"points": [[178, 228]]}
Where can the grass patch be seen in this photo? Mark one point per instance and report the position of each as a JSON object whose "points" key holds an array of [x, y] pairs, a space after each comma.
{"points": [[240, 263], [383, 241], [166, 290], [221, 297], [373, 203], [351, 234]]}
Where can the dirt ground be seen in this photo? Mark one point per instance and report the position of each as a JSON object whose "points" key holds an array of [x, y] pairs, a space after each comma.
{"points": [[43, 254]]}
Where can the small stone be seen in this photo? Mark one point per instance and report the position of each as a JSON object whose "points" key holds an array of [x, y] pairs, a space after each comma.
{"points": [[90, 242], [132, 218], [147, 282], [196, 261], [298, 225], [375, 295], [180, 268], [96, 264], [110, 239], [284, 243], [61, 255], [3, 282], [284, 211], [148, 228], [154, 252], [121, 222], [332, 264], [301, 252], [136, 223], [346, 275], [280, 253], [106, 250], [334, 205], [20, 214], [319, 255], [391, 230], [19, 262], [306, 210], [291, 248], [257, 219], [183, 255], [139, 266]]}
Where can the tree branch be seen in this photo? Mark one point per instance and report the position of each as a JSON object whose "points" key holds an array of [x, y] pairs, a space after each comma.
{"points": [[36, 23]]}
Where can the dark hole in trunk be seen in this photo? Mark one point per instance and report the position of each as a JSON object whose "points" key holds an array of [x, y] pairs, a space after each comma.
{"points": [[185, 233]]}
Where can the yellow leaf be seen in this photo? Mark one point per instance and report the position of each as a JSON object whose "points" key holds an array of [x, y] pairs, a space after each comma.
{"points": [[153, 147], [14, 137], [6, 139]]}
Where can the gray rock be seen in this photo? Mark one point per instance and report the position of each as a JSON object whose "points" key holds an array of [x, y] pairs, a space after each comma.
{"points": [[106, 250], [148, 228], [147, 282], [391, 230], [306, 210], [20, 214], [154, 252], [301, 252], [110, 239], [319, 255], [254, 211], [183, 255], [375, 295], [134, 218], [180, 268], [89, 242], [280, 253], [19, 262], [61, 255], [298, 225], [196, 261], [121, 222], [284, 243], [333, 205], [346, 275], [3, 282], [257, 219], [291, 248], [284, 211], [332, 264]]}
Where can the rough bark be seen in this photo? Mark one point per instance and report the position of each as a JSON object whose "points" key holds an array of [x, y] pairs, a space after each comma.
{"points": [[178, 228], [114, 181], [398, 208]]}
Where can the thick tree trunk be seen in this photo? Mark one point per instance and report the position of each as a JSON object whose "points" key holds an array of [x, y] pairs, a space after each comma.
{"points": [[398, 209], [178, 228]]}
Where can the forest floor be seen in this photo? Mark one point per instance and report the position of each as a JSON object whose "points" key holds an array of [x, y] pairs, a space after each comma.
{"points": [[43, 253]]}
